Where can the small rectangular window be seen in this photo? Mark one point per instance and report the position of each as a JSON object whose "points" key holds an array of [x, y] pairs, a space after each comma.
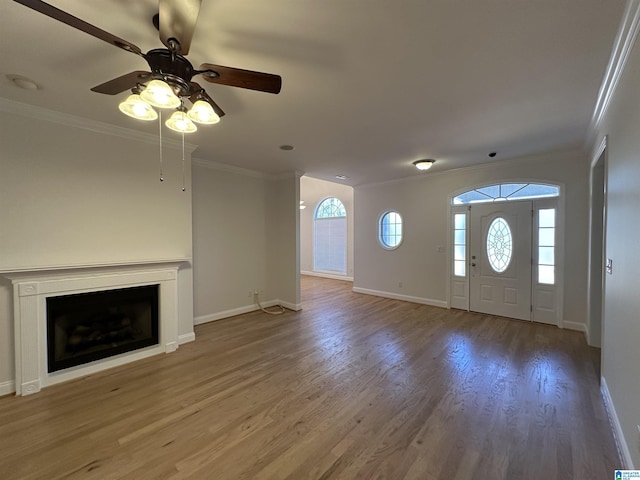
{"points": [[460, 244], [546, 245]]}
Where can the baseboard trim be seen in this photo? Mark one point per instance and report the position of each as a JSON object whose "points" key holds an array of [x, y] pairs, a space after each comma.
{"points": [[578, 326], [616, 428], [406, 298], [246, 309], [212, 317], [186, 338], [326, 275], [291, 306], [7, 388]]}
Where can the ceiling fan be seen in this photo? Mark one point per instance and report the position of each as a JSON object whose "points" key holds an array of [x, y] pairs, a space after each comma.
{"points": [[176, 23]]}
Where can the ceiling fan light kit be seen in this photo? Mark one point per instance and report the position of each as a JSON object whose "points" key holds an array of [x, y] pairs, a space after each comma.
{"points": [[158, 94], [135, 107], [180, 122], [202, 112], [169, 83]]}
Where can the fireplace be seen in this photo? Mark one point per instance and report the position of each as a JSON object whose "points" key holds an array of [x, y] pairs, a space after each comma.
{"points": [[85, 327], [41, 296]]}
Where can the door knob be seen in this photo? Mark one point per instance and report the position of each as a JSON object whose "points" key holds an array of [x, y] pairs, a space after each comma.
{"points": [[473, 264]]}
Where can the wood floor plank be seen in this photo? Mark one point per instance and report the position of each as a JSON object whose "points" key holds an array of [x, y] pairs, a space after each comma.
{"points": [[353, 386]]}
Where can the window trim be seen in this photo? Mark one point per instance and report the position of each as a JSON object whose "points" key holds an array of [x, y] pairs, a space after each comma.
{"points": [[380, 240]]}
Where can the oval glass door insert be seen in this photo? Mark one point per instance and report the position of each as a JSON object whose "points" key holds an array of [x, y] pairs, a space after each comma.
{"points": [[499, 245]]}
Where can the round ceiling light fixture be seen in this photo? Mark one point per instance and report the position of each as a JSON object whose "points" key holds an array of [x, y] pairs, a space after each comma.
{"points": [[424, 164]]}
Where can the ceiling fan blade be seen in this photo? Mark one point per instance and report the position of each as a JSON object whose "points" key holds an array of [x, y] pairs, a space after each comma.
{"points": [[75, 22], [125, 82], [201, 94], [178, 21], [236, 77]]}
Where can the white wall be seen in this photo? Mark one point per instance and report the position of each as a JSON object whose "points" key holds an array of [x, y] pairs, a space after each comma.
{"points": [[621, 339], [80, 192], [313, 191], [423, 202], [244, 238]]}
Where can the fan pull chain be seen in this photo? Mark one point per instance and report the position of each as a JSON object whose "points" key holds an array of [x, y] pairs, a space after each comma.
{"points": [[160, 135], [183, 187]]}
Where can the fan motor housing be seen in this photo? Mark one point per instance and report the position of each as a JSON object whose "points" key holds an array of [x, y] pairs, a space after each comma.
{"points": [[171, 67]]}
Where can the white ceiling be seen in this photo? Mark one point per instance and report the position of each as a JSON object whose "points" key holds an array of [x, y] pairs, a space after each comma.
{"points": [[368, 85]]}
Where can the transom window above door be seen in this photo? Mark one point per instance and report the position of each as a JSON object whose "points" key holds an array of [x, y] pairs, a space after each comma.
{"points": [[506, 191]]}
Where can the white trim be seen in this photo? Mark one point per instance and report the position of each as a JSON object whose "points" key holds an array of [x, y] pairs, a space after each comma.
{"points": [[468, 168], [327, 275], [405, 298], [597, 154], [186, 338], [210, 164], [247, 172], [25, 271], [296, 307], [233, 312], [212, 317], [39, 113], [7, 388], [616, 428], [578, 326], [31, 290], [625, 39]]}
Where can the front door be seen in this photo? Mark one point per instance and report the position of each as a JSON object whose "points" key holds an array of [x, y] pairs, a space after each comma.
{"points": [[500, 273]]}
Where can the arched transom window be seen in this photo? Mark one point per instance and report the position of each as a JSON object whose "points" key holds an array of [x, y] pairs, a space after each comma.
{"points": [[505, 192]]}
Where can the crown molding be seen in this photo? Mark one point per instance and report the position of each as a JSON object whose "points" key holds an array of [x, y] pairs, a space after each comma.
{"points": [[223, 167], [624, 42], [73, 121], [470, 168]]}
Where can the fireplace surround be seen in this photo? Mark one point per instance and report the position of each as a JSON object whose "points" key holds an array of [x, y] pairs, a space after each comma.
{"points": [[33, 287]]}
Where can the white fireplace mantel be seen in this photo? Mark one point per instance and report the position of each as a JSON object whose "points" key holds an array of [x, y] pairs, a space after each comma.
{"points": [[32, 286]]}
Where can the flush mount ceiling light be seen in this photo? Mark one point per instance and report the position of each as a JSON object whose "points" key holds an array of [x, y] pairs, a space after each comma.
{"points": [[424, 164], [341, 177]]}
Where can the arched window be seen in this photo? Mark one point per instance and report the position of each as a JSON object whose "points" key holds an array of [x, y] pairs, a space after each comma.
{"points": [[330, 237], [505, 192]]}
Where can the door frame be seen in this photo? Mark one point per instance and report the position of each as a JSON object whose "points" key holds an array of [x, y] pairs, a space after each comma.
{"points": [[558, 203], [597, 245]]}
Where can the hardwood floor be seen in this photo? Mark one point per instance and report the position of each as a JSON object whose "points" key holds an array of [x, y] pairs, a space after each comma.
{"points": [[351, 387]]}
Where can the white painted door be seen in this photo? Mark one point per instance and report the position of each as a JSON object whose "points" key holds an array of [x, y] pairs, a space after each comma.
{"points": [[500, 253]]}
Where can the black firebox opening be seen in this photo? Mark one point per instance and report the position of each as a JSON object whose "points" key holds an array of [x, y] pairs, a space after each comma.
{"points": [[91, 326]]}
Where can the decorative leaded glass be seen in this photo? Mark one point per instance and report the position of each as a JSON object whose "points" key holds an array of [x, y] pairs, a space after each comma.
{"points": [[330, 208], [499, 245]]}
